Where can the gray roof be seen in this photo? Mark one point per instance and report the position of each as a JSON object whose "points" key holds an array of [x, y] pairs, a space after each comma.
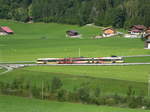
{"points": [[148, 40]]}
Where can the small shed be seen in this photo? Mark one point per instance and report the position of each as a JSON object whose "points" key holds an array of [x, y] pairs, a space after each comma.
{"points": [[4, 30], [147, 44], [72, 33], [108, 32]]}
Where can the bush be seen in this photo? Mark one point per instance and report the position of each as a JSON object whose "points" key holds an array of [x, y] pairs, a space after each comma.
{"points": [[56, 84]]}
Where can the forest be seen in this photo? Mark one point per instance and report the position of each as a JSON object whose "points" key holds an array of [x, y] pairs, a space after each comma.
{"points": [[116, 13]]}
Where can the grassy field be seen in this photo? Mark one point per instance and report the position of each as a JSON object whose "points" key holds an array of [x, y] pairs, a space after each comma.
{"points": [[16, 104], [132, 73], [39, 40], [137, 59], [2, 70], [109, 79]]}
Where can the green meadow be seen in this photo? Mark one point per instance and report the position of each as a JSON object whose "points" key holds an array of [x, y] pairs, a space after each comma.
{"points": [[110, 79], [2, 70], [39, 40], [137, 59], [17, 104]]}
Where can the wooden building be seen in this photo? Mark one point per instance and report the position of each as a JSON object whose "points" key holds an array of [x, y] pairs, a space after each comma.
{"points": [[72, 34], [108, 32], [137, 29]]}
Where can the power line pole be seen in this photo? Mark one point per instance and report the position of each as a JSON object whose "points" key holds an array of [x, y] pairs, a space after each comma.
{"points": [[79, 52], [42, 90], [149, 86]]}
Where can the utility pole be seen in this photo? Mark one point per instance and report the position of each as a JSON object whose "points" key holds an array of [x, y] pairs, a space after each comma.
{"points": [[79, 52], [42, 90], [149, 86]]}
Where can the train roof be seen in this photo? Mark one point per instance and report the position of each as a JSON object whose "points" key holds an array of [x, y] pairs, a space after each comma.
{"points": [[79, 58]]}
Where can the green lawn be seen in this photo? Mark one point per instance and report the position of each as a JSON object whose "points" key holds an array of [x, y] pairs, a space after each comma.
{"points": [[39, 40], [2, 70], [17, 104], [137, 73], [110, 79], [137, 59]]}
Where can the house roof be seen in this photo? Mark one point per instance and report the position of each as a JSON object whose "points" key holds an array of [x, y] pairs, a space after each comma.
{"points": [[135, 31], [72, 31], [108, 29], [148, 40], [139, 27], [6, 29]]}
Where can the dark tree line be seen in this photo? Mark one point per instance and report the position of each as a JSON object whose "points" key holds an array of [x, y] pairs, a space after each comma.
{"points": [[117, 13]]}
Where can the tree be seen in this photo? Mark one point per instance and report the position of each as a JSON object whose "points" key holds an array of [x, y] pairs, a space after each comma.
{"points": [[56, 84]]}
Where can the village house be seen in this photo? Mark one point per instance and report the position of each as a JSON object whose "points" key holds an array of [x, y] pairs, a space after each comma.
{"points": [[136, 31], [72, 34], [4, 30], [108, 32]]}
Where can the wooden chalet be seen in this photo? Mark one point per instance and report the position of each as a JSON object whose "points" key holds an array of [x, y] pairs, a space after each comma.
{"points": [[108, 32], [137, 29], [5, 30]]}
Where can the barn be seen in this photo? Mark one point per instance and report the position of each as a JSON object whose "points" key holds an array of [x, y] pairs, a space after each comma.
{"points": [[72, 34]]}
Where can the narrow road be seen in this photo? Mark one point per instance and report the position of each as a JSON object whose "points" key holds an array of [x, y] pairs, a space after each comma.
{"points": [[8, 69], [15, 66], [135, 56]]}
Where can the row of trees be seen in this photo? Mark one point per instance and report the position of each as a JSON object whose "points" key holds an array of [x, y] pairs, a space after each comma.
{"points": [[83, 94], [117, 13]]}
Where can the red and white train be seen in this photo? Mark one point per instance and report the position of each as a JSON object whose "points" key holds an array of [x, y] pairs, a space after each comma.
{"points": [[80, 60]]}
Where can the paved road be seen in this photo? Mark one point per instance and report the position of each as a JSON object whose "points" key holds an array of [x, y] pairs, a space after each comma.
{"points": [[135, 56], [114, 64], [8, 69]]}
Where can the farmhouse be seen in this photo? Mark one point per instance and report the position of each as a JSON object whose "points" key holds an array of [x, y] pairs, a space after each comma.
{"points": [[72, 34], [4, 30], [137, 29], [108, 32]]}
